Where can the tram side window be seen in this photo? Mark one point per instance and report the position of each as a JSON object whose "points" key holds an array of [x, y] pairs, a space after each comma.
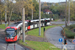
{"points": [[18, 31], [20, 28]]}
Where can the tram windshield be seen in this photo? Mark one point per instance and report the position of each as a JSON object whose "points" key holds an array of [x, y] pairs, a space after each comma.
{"points": [[10, 32]]}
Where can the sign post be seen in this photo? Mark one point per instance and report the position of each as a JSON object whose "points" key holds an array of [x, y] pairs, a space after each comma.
{"points": [[61, 40], [74, 45]]}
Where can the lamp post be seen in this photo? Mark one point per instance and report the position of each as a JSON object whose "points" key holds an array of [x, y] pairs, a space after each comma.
{"points": [[39, 17], [69, 13]]}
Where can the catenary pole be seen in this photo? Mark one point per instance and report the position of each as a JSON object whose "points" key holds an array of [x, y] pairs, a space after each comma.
{"points": [[5, 13], [39, 17], [66, 13], [69, 13], [23, 20]]}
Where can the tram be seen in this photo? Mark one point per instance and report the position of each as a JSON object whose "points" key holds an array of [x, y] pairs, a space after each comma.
{"points": [[14, 30]]}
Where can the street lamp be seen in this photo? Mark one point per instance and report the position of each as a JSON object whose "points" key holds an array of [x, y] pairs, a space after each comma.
{"points": [[69, 13]]}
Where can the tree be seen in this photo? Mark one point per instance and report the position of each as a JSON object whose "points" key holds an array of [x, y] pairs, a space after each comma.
{"points": [[72, 10], [9, 10], [18, 8], [45, 4], [61, 11], [1, 11], [36, 9], [27, 4]]}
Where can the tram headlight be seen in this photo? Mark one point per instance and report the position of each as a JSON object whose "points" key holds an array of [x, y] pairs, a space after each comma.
{"points": [[7, 37]]}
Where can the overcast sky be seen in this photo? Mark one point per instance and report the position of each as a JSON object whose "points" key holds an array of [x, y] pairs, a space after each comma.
{"points": [[55, 1]]}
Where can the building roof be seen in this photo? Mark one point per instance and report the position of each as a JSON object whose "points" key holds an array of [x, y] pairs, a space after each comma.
{"points": [[46, 10]]}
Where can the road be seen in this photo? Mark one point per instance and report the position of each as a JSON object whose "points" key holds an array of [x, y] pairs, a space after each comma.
{"points": [[52, 22], [3, 44], [7, 22], [53, 36], [62, 22]]}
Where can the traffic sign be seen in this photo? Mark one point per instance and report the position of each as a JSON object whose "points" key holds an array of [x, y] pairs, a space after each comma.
{"points": [[60, 40], [73, 41]]}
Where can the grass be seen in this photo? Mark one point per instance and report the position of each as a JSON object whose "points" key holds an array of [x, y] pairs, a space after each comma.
{"points": [[35, 32], [39, 45], [2, 26], [56, 20], [63, 19]]}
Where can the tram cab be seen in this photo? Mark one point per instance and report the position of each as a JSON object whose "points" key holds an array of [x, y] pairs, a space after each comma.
{"points": [[11, 35]]}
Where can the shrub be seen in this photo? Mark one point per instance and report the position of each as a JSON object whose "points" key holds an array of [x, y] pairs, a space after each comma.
{"points": [[69, 33], [71, 26]]}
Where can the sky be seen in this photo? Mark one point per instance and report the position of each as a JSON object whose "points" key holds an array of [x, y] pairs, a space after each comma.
{"points": [[53, 1]]}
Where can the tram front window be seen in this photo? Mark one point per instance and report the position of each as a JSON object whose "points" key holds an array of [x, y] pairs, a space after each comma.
{"points": [[10, 33]]}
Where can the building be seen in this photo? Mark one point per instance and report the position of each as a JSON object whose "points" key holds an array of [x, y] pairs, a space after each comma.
{"points": [[46, 11]]}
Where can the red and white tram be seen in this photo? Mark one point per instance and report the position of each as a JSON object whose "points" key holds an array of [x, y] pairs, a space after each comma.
{"points": [[13, 31]]}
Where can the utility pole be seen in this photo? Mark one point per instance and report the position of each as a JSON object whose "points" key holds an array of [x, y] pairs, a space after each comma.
{"points": [[39, 17], [66, 13], [5, 13], [23, 21], [69, 13], [32, 9], [32, 13]]}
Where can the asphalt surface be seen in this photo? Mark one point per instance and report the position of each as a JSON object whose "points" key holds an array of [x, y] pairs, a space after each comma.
{"points": [[53, 36], [52, 22], [10, 46], [62, 22]]}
